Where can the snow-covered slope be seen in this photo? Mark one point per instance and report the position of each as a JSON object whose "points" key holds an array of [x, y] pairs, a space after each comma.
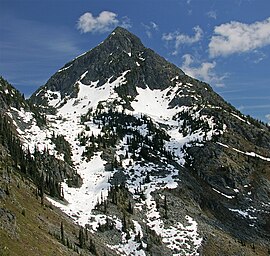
{"points": [[158, 152], [92, 102], [82, 201]]}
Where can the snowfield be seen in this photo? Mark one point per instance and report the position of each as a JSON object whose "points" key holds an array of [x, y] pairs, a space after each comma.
{"points": [[79, 203], [182, 238]]}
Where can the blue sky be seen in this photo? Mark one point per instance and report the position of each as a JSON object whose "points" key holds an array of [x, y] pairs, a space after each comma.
{"points": [[224, 42]]}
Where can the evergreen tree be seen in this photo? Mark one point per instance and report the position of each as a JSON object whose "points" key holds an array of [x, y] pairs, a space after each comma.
{"points": [[62, 233], [166, 207], [81, 237], [92, 247]]}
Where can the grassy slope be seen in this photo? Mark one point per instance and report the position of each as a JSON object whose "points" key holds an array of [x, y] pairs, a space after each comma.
{"points": [[36, 226], [29, 235]]}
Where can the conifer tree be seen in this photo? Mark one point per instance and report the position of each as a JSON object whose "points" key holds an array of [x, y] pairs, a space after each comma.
{"points": [[166, 207], [62, 233], [81, 238]]}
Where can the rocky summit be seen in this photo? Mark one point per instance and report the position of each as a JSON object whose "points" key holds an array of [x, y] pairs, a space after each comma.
{"points": [[145, 159]]}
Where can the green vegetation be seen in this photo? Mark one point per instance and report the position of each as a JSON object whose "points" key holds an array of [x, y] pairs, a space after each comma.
{"points": [[26, 163], [63, 147], [115, 126], [9, 96]]}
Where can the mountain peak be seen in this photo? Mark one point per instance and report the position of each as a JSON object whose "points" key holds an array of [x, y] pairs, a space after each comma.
{"points": [[121, 30], [121, 51], [122, 40]]}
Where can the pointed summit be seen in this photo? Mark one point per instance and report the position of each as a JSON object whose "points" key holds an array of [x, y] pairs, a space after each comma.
{"points": [[121, 51], [123, 34], [122, 31], [122, 40]]}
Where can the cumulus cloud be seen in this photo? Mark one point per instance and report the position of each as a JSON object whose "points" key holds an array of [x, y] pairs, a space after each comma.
{"points": [[149, 28], [204, 71], [179, 39], [237, 37], [104, 22]]}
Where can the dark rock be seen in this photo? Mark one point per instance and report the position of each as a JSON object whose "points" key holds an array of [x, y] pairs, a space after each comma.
{"points": [[120, 52], [2, 194], [8, 222]]}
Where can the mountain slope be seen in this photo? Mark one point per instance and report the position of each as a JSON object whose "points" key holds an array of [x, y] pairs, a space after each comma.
{"points": [[167, 166], [29, 224], [118, 53], [28, 227]]}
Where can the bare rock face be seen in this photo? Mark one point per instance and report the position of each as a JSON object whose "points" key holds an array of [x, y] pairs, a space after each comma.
{"points": [[8, 222], [120, 52]]}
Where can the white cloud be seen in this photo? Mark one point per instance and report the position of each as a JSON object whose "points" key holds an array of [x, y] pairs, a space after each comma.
{"points": [[179, 39], [236, 37], [203, 71], [104, 22], [212, 14], [152, 26]]}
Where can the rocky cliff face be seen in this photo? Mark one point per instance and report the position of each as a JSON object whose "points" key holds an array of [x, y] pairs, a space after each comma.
{"points": [[167, 166], [119, 52]]}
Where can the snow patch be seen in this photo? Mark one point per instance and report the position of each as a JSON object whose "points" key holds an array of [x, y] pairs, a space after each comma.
{"points": [[132, 246], [153, 103], [53, 97], [60, 70], [253, 154], [240, 118], [81, 201], [227, 196], [244, 214]]}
